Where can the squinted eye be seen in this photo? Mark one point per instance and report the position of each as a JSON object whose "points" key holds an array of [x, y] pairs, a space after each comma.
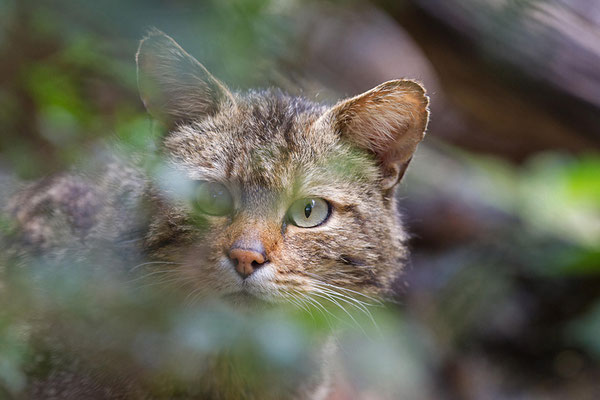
{"points": [[213, 199], [308, 213]]}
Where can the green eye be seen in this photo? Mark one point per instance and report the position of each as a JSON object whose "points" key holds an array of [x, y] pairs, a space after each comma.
{"points": [[213, 199], [308, 213]]}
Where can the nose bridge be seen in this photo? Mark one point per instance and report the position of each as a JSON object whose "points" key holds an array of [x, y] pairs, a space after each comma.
{"points": [[247, 236], [251, 231], [252, 242], [260, 201], [258, 218]]}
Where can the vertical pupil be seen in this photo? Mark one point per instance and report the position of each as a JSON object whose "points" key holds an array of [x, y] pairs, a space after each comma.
{"points": [[308, 209]]}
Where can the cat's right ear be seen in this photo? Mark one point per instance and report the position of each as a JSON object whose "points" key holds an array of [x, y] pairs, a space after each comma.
{"points": [[173, 85]]}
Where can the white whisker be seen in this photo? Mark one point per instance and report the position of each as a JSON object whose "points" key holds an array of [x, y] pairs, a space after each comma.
{"points": [[329, 298], [320, 280], [355, 303], [321, 308], [155, 262], [166, 271]]}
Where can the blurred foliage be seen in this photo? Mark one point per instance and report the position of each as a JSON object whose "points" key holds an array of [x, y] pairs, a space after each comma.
{"points": [[61, 313], [521, 282]]}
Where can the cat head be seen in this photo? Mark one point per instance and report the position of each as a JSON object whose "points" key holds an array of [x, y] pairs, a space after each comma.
{"points": [[289, 199]]}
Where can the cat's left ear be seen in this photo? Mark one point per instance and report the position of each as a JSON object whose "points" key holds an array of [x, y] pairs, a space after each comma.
{"points": [[389, 121], [173, 85]]}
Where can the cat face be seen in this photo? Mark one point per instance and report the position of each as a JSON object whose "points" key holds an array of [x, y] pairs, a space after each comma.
{"points": [[288, 199]]}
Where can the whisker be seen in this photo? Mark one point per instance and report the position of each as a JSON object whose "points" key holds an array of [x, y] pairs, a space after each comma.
{"points": [[343, 309], [334, 290], [322, 308], [295, 301], [320, 280], [160, 282], [355, 302], [299, 296], [192, 297], [358, 305], [154, 262], [166, 271]]}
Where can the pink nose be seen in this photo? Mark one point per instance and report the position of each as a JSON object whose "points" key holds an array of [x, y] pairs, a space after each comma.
{"points": [[247, 260]]}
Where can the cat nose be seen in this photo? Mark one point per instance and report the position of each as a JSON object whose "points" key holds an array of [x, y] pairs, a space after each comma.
{"points": [[247, 259]]}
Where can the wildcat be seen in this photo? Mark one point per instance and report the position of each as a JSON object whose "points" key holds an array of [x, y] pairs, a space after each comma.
{"points": [[284, 198]]}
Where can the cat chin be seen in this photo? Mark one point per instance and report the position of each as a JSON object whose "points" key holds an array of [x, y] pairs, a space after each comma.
{"points": [[245, 301]]}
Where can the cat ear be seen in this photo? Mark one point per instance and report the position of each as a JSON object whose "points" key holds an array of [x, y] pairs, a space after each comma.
{"points": [[389, 121], [173, 85]]}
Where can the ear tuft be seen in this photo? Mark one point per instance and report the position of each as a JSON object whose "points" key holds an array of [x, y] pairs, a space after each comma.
{"points": [[173, 85], [389, 121]]}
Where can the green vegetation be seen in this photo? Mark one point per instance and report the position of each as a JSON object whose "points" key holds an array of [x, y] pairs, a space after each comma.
{"points": [[507, 270]]}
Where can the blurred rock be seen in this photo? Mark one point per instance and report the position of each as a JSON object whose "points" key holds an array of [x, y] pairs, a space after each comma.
{"points": [[355, 49], [481, 106], [518, 78]]}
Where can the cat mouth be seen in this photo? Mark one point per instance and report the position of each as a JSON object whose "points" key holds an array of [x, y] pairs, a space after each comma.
{"points": [[252, 291]]}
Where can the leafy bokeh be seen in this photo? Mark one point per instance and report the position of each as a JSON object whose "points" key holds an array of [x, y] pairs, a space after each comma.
{"points": [[503, 295]]}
